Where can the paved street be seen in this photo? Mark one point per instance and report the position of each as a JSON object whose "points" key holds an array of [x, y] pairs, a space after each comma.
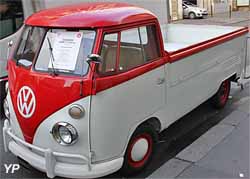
{"points": [[205, 143], [222, 152]]}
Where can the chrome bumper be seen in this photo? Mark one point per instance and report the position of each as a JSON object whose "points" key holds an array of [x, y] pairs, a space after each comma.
{"points": [[47, 161]]}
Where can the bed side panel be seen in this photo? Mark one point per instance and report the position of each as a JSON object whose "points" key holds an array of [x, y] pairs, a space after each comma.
{"points": [[196, 78]]}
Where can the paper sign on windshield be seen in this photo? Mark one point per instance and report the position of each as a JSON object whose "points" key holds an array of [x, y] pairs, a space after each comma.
{"points": [[65, 50]]}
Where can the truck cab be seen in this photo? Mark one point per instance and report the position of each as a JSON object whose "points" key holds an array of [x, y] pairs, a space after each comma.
{"points": [[53, 78]]}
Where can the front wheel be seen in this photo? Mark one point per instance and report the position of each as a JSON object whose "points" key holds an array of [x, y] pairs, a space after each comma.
{"points": [[140, 150], [220, 99], [192, 15]]}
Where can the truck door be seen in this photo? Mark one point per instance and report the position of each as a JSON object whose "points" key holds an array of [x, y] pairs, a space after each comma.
{"points": [[130, 87]]}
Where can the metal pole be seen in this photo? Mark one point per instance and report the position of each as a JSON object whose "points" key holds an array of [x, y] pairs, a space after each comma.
{"points": [[230, 11], [246, 59], [168, 11], [212, 11], [210, 2]]}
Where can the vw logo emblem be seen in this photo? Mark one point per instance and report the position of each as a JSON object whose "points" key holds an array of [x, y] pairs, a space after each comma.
{"points": [[26, 102]]}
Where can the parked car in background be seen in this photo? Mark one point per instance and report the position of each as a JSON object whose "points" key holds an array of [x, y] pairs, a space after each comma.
{"points": [[192, 11]]}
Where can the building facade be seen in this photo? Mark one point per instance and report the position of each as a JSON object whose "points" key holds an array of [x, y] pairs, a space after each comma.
{"points": [[243, 5], [222, 6], [176, 11]]}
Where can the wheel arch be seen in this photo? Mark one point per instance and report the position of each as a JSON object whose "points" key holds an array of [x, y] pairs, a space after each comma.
{"points": [[233, 77], [191, 12]]}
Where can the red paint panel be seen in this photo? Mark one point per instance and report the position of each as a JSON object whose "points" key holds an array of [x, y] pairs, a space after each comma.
{"points": [[182, 53], [51, 93], [90, 15], [103, 83]]}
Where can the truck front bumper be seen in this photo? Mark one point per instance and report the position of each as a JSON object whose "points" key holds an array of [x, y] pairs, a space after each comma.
{"points": [[46, 159]]}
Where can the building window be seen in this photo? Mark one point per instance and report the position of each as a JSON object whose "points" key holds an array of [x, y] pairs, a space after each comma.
{"points": [[11, 17], [243, 2]]}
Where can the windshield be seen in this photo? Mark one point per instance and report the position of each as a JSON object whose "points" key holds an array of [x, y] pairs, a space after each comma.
{"points": [[59, 50], [190, 4]]}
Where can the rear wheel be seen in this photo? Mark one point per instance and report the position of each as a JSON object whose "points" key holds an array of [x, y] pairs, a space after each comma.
{"points": [[140, 150], [192, 15], [220, 99]]}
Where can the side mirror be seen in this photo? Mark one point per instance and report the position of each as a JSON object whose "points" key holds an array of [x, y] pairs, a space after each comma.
{"points": [[94, 58]]}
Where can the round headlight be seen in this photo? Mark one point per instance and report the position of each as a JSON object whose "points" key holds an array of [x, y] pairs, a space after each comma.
{"points": [[6, 109], [6, 87], [64, 133], [76, 111]]}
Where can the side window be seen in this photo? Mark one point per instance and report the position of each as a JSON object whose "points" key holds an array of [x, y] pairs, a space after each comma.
{"points": [[29, 43], [11, 17], [131, 50], [109, 53], [138, 46], [150, 42]]}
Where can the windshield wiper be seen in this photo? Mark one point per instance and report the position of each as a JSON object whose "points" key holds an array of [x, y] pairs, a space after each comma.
{"points": [[52, 57]]}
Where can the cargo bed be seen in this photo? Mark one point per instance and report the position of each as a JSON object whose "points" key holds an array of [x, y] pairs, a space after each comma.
{"points": [[181, 36]]}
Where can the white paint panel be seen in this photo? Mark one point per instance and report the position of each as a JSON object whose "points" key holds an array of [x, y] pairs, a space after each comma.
{"points": [[193, 80], [44, 139], [116, 111]]}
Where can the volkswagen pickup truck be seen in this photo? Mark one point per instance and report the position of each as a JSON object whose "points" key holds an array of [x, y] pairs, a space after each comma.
{"points": [[91, 86]]}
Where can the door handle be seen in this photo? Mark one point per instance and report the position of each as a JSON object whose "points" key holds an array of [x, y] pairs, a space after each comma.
{"points": [[160, 81]]}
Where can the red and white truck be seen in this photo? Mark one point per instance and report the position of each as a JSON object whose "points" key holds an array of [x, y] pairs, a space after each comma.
{"points": [[92, 85]]}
